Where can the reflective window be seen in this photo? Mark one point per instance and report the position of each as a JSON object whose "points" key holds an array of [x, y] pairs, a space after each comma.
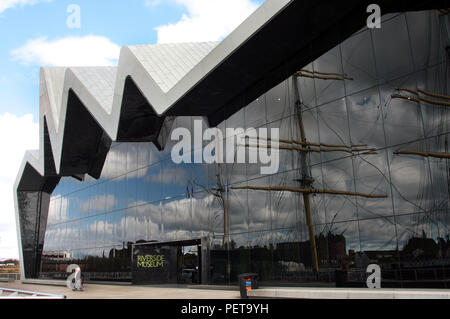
{"points": [[374, 196]]}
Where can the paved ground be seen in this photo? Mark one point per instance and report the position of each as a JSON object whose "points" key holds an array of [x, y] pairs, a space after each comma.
{"points": [[126, 292], [349, 293]]}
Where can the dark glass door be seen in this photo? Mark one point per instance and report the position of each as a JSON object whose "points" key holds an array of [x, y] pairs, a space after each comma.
{"points": [[189, 271]]}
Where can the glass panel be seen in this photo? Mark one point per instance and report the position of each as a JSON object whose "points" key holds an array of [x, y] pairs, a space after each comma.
{"points": [[170, 218], [120, 159], [421, 249], [284, 204], [338, 175], [123, 193], [237, 210], [64, 212], [261, 255], [184, 217], [255, 112], [202, 203], [143, 155], [409, 175], [393, 38], [155, 222], [73, 234], [307, 89], [278, 102], [175, 179], [435, 117], [328, 90], [239, 257], [152, 183], [372, 178], [108, 229], [111, 201], [237, 120], [258, 205], [131, 188], [98, 200], [119, 227], [365, 120], [423, 29], [359, 62], [52, 211], [401, 117], [286, 127], [333, 127], [378, 237], [200, 178], [130, 225], [83, 196], [219, 265], [84, 233], [100, 231], [141, 220], [310, 124], [74, 206], [132, 157]]}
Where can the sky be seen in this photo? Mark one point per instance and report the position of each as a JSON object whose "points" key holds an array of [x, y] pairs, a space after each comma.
{"points": [[38, 33]]}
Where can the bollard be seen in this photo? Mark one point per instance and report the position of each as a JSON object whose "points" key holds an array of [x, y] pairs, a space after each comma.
{"points": [[247, 282]]}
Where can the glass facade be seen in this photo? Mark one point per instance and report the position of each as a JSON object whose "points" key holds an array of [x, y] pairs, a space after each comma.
{"points": [[143, 196]]}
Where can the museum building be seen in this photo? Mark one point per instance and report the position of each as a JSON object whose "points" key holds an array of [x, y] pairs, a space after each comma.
{"points": [[363, 176]]}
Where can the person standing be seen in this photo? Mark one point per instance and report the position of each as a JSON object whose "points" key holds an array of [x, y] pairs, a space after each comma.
{"points": [[78, 280]]}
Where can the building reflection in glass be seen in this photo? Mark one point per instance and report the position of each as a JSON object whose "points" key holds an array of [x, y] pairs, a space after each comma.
{"points": [[142, 196]]}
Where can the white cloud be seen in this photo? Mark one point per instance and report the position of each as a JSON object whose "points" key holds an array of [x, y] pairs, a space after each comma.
{"points": [[206, 20], [17, 134], [7, 4], [99, 203], [89, 50]]}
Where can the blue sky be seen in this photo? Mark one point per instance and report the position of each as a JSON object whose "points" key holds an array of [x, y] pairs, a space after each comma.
{"points": [[35, 33], [123, 22]]}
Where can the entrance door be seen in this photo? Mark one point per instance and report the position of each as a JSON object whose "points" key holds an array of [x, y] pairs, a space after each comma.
{"points": [[189, 271], [167, 263]]}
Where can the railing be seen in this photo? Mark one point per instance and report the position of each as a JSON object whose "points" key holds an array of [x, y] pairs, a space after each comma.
{"points": [[96, 276], [10, 276], [22, 294], [412, 275]]}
